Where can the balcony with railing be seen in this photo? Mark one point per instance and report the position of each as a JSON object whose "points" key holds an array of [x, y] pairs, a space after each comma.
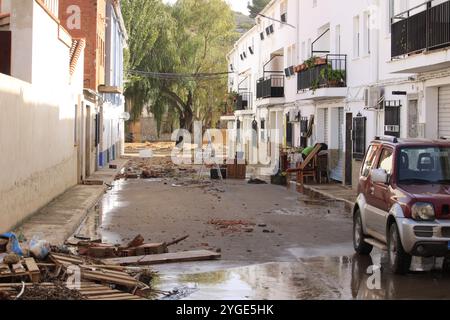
{"points": [[322, 77], [270, 87], [244, 101], [420, 38]]}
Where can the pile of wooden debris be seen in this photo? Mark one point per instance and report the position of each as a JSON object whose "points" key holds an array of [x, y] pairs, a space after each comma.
{"points": [[94, 271]]}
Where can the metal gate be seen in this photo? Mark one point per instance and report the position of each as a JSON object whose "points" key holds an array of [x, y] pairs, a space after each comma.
{"points": [[325, 126], [444, 112], [338, 170]]}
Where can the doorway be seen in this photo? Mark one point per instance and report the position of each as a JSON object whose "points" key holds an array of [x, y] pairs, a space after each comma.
{"points": [[413, 119]]}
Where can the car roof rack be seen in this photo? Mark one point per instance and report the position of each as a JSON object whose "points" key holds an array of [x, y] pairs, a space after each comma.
{"points": [[391, 139]]}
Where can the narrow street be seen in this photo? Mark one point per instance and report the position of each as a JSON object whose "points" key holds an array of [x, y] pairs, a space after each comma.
{"points": [[281, 245]]}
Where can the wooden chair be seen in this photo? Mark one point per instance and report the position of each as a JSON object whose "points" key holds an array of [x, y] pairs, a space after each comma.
{"points": [[308, 168]]}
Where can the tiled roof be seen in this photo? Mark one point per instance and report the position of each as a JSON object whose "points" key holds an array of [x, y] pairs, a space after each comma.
{"points": [[75, 51]]}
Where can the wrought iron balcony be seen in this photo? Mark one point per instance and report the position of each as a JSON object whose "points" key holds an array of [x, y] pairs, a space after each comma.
{"points": [[244, 101], [329, 71], [415, 32], [270, 87]]}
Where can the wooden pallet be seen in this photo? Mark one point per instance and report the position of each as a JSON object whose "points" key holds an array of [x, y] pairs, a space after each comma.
{"points": [[108, 276], [89, 290], [26, 268], [97, 274]]}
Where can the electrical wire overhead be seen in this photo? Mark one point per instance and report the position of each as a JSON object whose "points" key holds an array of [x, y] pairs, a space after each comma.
{"points": [[180, 76]]}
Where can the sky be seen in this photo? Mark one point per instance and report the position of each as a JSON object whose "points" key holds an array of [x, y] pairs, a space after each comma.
{"points": [[237, 5]]}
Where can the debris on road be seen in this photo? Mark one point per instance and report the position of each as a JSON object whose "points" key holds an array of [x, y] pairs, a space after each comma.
{"points": [[150, 169], [231, 226], [256, 181], [198, 255]]}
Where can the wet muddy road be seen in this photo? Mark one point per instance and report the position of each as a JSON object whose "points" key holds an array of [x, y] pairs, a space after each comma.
{"points": [[296, 247]]}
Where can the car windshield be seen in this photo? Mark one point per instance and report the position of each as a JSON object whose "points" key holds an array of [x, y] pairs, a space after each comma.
{"points": [[424, 165]]}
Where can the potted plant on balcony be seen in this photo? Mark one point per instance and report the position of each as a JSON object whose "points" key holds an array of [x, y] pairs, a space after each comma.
{"points": [[333, 77], [320, 61], [310, 63], [315, 85], [300, 68]]}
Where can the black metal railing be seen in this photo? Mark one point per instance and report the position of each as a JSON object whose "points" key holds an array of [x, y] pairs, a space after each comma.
{"points": [[244, 101], [270, 87], [331, 71], [424, 27]]}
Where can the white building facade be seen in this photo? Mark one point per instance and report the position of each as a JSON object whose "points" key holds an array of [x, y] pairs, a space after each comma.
{"points": [[324, 72]]}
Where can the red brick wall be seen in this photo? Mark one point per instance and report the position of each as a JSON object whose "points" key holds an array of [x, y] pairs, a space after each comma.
{"points": [[93, 29]]}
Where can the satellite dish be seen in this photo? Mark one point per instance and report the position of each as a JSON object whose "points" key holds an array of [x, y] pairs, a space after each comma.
{"points": [[125, 116]]}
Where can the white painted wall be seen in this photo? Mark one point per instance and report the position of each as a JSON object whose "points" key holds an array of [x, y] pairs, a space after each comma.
{"points": [[37, 136], [37, 143], [5, 6], [38, 53]]}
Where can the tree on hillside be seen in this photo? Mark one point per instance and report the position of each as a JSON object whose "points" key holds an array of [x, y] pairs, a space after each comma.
{"points": [[191, 40], [256, 7]]}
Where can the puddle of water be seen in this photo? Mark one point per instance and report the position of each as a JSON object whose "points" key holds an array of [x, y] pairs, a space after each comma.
{"points": [[342, 278], [91, 228], [329, 251]]}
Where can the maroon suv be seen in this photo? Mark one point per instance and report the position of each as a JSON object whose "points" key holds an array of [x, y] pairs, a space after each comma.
{"points": [[403, 203]]}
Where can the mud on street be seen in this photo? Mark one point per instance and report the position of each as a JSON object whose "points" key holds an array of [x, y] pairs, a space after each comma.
{"points": [[275, 244]]}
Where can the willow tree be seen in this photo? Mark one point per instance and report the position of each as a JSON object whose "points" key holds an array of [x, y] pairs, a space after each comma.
{"points": [[145, 21], [175, 47]]}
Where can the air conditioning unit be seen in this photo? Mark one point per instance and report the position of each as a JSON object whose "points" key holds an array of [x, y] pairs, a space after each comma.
{"points": [[372, 97], [289, 72]]}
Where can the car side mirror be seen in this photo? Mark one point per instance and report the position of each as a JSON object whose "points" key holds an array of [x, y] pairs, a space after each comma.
{"points": [[379, 176]]}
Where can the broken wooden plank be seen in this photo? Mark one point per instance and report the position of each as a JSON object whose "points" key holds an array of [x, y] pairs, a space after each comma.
{"points": [[123, 279], [101, 266], [200, 255], [88, 290], [65, 260], [176, 241], [5, 271], [33, 270]]}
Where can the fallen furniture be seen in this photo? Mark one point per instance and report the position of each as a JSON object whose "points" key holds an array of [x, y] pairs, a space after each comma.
{"points": [[308, 168]]}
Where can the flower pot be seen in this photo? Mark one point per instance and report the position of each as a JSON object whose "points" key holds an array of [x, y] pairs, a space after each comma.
{"points": [[320, 61]]}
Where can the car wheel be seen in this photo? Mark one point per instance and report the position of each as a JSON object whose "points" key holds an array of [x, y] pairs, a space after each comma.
{"points": [[361, 247], [399, 260], [446, 265]]}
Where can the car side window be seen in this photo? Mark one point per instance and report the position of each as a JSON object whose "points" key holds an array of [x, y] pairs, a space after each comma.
{"points": [[386, 161], [369, 161]]}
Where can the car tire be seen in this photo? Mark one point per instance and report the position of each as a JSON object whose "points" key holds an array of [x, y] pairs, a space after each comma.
{"points": [[399, 260], [446, 265], [361, 247]]}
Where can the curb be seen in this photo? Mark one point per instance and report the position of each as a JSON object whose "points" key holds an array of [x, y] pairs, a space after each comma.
{"points": [[349, 205]]}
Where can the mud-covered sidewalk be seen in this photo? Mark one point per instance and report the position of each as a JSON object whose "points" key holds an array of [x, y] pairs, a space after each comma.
{"points": [[59, 219]]}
